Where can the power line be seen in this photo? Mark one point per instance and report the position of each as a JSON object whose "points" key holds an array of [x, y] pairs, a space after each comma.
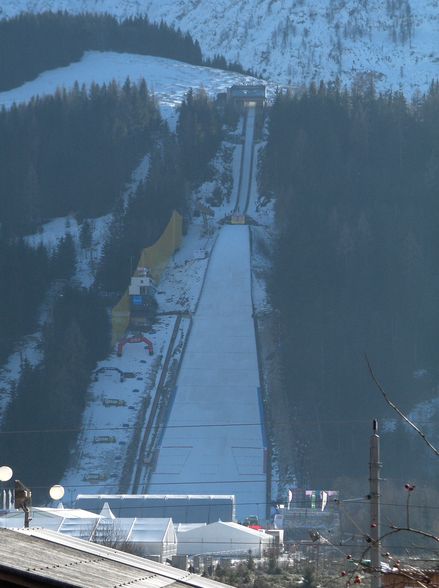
{"points": [[298, 504], [129, 427]]}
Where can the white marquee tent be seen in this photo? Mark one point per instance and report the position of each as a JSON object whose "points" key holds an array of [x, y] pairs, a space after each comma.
{"points": [[152, 537], [223, 539]]}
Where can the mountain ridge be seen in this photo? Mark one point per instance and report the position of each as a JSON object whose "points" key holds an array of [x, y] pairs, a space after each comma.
{"points": [[294, 42]]}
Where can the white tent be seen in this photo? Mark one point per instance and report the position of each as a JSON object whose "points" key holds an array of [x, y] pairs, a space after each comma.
{"points": [[223, 539], [183, 527], [153, 537], [71, 521]]}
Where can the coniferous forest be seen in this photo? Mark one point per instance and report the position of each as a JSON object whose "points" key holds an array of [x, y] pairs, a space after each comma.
{"points": [[72, 152], [199, 133], [24, 275], [34, 43], [176, 163], [143, 220], [356, 179]]}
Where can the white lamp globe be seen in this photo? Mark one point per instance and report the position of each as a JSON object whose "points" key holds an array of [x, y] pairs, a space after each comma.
{"points": [[56, 492], [5, 473]]}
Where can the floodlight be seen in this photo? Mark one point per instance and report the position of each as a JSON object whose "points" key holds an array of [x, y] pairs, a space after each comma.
{"points": [[56, 492], [5, 473]]}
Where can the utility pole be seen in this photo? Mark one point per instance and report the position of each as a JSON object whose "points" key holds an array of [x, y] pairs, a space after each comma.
{"points": [[375, 499]]}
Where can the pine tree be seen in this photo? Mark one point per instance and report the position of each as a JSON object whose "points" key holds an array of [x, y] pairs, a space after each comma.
{"points": [[86, 234], [64, 259]]}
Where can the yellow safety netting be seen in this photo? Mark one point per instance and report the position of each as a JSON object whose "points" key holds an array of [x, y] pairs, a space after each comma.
{"points": [[120, 318], [155, 259]]}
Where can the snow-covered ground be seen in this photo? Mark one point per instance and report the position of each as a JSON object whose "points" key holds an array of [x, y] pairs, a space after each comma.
{"points": [[295, 41], [213, 442], [181, 282], [106, 430], [168, 79], [263, 235]]}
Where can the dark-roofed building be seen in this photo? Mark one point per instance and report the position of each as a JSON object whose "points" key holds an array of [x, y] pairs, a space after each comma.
{"points": [[181, 508], [244, 94], [37, 557]]}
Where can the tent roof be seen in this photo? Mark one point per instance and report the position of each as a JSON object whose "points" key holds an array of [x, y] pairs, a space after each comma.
{"points": [[65, 513], [183, 527], [220, 530], [106, 512], [81, 523], [57, 515]]}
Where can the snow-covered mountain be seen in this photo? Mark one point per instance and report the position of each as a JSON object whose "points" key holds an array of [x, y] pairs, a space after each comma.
{"points": [[295, 41]]}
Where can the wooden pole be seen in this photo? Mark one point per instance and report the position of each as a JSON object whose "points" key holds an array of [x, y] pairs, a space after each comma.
{"points": [[375, 522]]}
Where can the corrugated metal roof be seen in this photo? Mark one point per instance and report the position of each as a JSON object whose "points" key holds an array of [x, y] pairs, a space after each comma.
{"points": [[48, 557]]}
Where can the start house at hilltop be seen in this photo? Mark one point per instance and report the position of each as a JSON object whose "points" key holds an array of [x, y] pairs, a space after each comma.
{"points": [[242, 95]]}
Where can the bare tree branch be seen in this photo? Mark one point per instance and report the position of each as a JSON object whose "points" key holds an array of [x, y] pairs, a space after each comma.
{"points": [[410, 530], [398, 410]]}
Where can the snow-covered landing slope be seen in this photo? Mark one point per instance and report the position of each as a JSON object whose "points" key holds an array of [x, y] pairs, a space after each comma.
{"points": [[213, 442], [295, 41], [167, 78]]}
